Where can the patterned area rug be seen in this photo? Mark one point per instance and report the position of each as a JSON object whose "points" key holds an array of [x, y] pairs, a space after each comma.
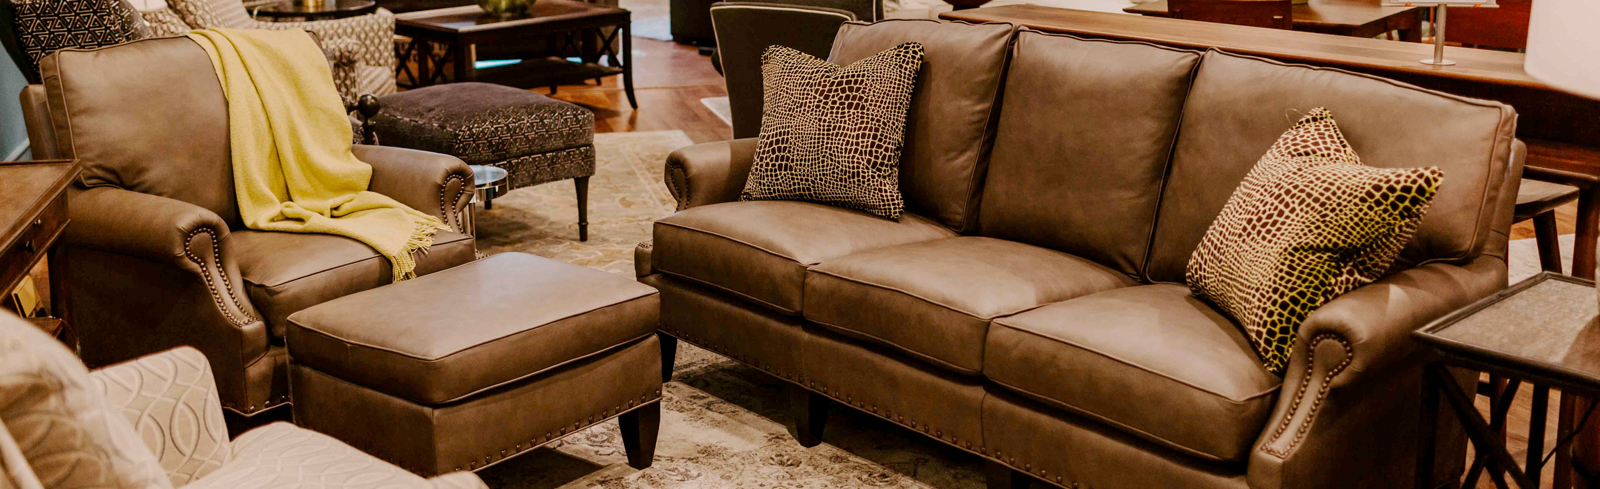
{"points": [[722, 423]]}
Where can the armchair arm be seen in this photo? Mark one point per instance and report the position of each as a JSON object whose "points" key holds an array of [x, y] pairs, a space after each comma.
{"points": [[709, 173], [163, 394], [1348, 412], [437, 184], [162, 230]]}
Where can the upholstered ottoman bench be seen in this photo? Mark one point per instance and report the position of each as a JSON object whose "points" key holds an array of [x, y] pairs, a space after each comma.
{"points": [[534, 138], [464, 368]]}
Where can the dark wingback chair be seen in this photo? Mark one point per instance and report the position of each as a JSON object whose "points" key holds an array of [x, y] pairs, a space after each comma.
{"points": [[156, 253], [745, 29], [1276, 14]]}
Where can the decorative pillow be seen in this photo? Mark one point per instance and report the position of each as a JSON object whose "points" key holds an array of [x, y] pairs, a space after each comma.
{"points": [[45, 26], [1308, 223], [832, 134], [164, 22]]}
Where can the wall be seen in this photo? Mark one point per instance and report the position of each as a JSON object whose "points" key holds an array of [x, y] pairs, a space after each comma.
{"points": [[13, 132]]}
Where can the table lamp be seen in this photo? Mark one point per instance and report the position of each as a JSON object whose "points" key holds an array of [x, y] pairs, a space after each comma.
{"points": [[1564, 45]]}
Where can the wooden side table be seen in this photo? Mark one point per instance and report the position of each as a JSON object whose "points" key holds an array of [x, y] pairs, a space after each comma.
{"points": [[33, 214], [1545, 332]]}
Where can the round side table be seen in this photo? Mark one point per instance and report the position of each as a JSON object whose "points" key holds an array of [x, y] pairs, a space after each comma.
{"points": [[488, 180]]}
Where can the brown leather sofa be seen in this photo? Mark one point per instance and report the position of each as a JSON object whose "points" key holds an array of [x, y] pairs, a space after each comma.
{"points": [[156, 254], [1030, 307]]}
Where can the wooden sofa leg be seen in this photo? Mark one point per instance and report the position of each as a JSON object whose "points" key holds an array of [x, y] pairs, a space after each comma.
{"points": [[639, 429], [669, 355], [810, 413], [1002, 476]]}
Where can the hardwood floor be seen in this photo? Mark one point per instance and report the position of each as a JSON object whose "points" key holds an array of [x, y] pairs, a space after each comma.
{"points": [[669, 81]]}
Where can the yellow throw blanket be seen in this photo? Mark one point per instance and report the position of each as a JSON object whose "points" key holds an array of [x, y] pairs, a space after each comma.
{"points": [[293, 169]]}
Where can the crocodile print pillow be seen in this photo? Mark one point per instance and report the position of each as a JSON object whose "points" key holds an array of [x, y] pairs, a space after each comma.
{"points": [[832, 134], [1308, 223]]}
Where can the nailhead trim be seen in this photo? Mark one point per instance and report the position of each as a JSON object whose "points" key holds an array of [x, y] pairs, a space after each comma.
{"points": [[216, 295], [577, 425], [1299, 395], [446, 209]]}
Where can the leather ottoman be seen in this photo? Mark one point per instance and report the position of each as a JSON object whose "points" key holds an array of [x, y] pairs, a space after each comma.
{"points": [[464, 368]]}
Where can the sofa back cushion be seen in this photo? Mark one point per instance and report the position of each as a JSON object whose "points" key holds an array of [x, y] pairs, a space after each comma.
{"points": [[1240, 105], [1083, 144], [147, 116], [950, 127]]}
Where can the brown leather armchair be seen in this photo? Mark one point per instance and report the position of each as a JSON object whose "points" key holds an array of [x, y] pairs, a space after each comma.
{"points": [[157, 256]]}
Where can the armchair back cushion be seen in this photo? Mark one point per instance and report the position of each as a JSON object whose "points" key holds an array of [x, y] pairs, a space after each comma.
{"points": [[148, 116], [66, 431], [951, 126], [1240, 105], [1081, 154]]}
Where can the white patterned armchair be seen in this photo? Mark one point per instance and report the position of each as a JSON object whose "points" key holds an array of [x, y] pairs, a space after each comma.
{"points": [[155, 422]]}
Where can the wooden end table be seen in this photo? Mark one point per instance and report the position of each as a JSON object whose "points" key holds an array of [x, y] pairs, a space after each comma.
{"points": [[1544, 332], [33, 214], [316, 9], [462, 29]]}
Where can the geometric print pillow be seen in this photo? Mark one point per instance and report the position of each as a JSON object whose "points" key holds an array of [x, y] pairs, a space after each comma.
{"points": [[1308, 223], [46, 26], [831, 134]]}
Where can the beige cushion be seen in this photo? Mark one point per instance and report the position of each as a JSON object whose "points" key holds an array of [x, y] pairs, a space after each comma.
{"points": [[172, 402], [68, 433], [284, 455]]}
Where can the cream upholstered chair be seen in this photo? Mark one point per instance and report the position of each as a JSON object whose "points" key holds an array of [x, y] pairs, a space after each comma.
{"points": [[155, 422]]}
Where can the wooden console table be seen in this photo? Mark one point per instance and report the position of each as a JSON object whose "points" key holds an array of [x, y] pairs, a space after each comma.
{"points": [[1562, 130], [33, 213]]}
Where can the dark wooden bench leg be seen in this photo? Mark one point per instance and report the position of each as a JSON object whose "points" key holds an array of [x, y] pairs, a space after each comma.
{"points": [[582, 184], [1002, 476], [1544, 231], [810, 413], [639, 429], [669, 355]]}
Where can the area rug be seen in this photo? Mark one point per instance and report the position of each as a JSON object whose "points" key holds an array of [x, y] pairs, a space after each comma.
{"points": [[722, 423]]}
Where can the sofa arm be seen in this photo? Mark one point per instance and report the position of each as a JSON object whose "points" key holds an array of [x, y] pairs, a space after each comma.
{"points": [[1348, 412], [709, 173], [457, 480], [166, 396], [162, 230], [439, 185]]}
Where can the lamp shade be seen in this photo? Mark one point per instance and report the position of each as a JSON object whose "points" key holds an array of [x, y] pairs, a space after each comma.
{"points": [[1564, 45]]}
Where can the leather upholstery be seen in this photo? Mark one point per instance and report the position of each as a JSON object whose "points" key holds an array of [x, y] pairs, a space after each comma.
{"points": [[437, 184], [895, 387], [951, 125], [731, 326], [36, 115], [746, 29], [1240, 105], [528, 315], [1099, 148], [1154, 345], [903, 296], [286, 272], [709, 173], [761, 249]]}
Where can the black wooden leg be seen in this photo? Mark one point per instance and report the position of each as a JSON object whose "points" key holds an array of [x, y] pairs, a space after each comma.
{"points": [[488, 198], [627, 65], [669, 355], [582, 183], [810, 413], [1002, 476], [1544, 231], [1428, 429], [639, 428]]}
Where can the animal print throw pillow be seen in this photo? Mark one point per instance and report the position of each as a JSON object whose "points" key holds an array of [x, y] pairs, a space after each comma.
{"points": [[1308, 223], [832, 134]]}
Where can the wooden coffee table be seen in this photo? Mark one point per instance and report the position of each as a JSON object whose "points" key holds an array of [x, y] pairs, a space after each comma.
{"points": [[462, 29], [1355, 18], [316, 9]]}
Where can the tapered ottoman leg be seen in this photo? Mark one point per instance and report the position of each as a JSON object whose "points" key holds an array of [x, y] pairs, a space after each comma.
{"points": [[1002, 476], [639, 429], [810, 413], [582, 183], [669, 355]]}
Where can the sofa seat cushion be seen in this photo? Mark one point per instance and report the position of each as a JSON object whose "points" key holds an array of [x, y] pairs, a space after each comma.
{"points": [[287, 272], [1151, 360], [935, 299], [760, 250]]}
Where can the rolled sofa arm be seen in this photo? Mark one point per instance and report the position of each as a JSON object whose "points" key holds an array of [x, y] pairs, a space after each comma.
{"points": [[1348, 412], [437, 184], [185, 406], [709, 173], [163, 230]]}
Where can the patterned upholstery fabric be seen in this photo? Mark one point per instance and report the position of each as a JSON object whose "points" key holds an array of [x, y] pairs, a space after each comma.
{"points": [[1308, 223], [172, 402], [70, 435], [164, 22], [832, 134], [373, 65], [44, 26], [562, 164], [284, 455]]}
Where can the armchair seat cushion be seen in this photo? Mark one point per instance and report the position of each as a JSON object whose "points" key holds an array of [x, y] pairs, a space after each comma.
{"points": [[935, 299], [287, 272], [760, 250], [1151, 360]]}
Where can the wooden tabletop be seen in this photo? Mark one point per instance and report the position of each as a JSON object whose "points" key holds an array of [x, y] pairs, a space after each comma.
{"points": [[1316, 15], [470, 18], [25, 188]]}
